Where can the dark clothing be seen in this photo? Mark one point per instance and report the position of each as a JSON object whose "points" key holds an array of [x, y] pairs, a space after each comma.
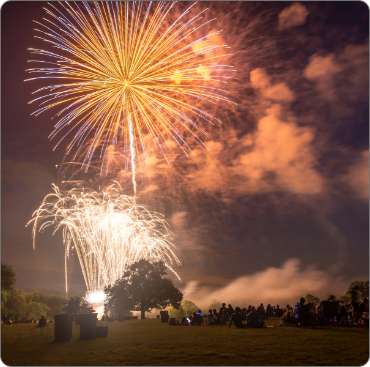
{"points": [[236, 318], [230, 311], [197, 320], [253, 319]]}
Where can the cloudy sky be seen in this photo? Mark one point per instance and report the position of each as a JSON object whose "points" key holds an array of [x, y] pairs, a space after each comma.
{"points": [[277, 206]]}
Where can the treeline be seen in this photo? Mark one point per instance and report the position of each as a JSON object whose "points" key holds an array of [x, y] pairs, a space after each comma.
{"points": [[17, 304]]}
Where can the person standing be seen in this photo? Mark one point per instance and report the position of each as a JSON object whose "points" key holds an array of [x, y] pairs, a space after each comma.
{"points": [[355, 299]]}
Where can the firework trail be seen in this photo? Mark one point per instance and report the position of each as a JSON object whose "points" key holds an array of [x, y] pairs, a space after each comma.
{"points": [[131, 79], [108, 230]]}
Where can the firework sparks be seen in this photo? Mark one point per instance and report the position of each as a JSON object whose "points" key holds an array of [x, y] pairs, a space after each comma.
{"points": [[124, 65], [108, 230]]}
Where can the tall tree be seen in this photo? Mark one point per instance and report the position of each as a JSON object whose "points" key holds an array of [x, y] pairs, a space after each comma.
{"points": [[311, 298], [142, 288], [7, 277], [363, 288]]}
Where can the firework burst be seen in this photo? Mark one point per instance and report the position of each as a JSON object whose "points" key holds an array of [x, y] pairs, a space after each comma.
{"points": [[130, 78], [108, 230]]}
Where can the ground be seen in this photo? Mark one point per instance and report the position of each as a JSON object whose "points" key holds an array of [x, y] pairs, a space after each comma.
{"points": [[150, 342]]}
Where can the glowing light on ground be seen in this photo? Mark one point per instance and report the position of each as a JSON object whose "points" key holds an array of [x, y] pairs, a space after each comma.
{"points": [[96, 300]]}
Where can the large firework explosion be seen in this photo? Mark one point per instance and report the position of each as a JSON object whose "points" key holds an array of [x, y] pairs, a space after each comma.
{"points": [[130, 78]]}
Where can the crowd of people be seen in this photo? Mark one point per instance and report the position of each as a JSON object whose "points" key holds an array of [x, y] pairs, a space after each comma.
{"points": [[327, 312]]}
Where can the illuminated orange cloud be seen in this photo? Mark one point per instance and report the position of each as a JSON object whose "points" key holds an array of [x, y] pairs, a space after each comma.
{"points": [[292, 16], [281, 155], [276, 92], [321, 67], [358, 176]]}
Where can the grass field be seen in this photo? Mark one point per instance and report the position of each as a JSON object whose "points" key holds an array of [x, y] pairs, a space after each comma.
{"points": [[150, 342]]}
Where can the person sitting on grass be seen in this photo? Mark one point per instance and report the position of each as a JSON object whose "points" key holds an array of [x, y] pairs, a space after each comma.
{"points": [[220, 315], [287, 319], [210, 318], [244, 314], [236, 318], [216, 316], [197, 319], [254, 320], [269, 311], [225, 317]]}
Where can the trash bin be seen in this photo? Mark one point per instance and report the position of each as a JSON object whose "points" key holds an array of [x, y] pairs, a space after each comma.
{"points": [[164, 316], [88, 325], [102, 331], [63, 327]]}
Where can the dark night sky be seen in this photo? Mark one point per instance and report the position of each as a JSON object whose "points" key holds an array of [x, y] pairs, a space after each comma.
{"points": [[282, 194]]}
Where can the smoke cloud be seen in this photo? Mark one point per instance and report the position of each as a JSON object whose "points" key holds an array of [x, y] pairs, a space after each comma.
{"points": [[274, 285]]}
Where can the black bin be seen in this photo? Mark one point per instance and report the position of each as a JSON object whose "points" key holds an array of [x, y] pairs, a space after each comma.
{"points": [[63, 327], [164, 316], [88, 325], [102, 331]]}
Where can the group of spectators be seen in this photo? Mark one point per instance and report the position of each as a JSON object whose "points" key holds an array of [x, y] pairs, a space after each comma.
{"points": [[327, 312], [226, 316]]}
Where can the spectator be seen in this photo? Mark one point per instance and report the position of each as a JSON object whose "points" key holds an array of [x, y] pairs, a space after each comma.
{"points": [[355, 298], [261, 310], [224, 306], [287, 319], [254, 320], [343, 316], [225, 317], [216, 316], [244, 314], [230, 310], [210, 318], [269, 311], [197, 319], [236, 318]]}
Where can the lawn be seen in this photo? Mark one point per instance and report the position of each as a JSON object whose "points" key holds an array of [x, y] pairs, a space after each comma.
{"points": [[150, 342]]}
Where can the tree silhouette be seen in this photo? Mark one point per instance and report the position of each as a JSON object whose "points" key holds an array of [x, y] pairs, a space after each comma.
{"points": [[142, 288], [7, 277], [77, 305]]}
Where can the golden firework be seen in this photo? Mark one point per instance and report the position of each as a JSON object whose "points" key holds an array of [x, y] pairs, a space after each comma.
{"points": [[128, 77]]}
